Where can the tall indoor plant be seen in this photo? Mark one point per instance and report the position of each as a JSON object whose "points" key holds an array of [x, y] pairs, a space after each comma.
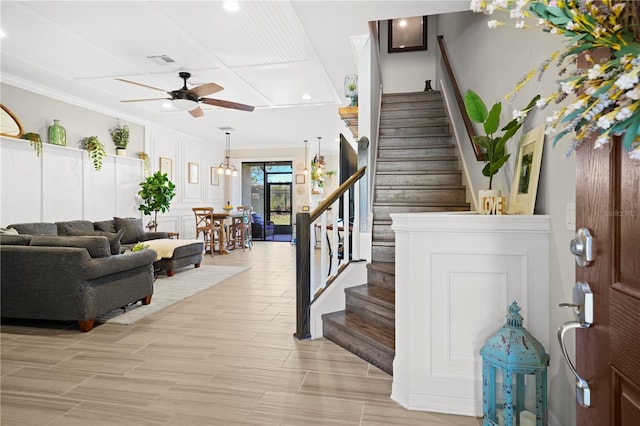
{"points": [[157, 192]]}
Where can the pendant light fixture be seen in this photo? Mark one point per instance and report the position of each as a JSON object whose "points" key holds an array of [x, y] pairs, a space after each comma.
{"points": [[320, 161], [306, 157], [226, 168]]}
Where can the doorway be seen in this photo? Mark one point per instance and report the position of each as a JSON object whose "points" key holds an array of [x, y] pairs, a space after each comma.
{"points": [[266, 186]]}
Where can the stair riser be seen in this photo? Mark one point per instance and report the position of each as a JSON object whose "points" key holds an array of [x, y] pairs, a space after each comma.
{"points": [[420, 165], [374, 313], [425, 179], [353, 344], [414, 131], [382, 212], [383, 232], [449, 151], [412, 97], [406, 142], [381, 279], [419, 195], [383, 253], [413, 113], [413, 122]]}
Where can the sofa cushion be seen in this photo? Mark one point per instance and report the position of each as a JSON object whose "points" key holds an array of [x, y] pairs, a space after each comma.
{"points": [[36, 228], [113, 238], [96, 246], [9, 231], [71, 226], [14, 240], [105, 226], [133, 230]]}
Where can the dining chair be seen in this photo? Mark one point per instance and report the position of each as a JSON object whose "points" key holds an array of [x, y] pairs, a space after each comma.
{"points": [[247, 220], [206, 226]]}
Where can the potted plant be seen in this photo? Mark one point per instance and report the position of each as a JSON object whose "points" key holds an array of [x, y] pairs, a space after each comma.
{"points": [[494, 146], [157, 192], [120, 136], [35, 141], [96, 151]]}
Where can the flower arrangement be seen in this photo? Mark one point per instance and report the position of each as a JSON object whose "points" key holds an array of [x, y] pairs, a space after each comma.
{"points": [[607, 92]]}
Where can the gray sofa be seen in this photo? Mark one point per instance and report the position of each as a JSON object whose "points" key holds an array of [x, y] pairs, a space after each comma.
{"points": [[72, 278]]}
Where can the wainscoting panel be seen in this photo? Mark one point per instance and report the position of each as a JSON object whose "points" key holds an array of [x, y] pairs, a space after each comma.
{"points": [[129, 172], [456, 274], [100, 189], [62, 183], [21, 178]]}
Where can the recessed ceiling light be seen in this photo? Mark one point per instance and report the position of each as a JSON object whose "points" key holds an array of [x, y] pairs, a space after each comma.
{"points": [[306, 96], [2, 33], [232, 6], [403, 23]]}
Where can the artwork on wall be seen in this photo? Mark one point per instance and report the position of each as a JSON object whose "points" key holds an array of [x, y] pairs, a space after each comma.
{"points": [[166, 167], [193, 172], [524, 187], [215, 177], [407, 34], [300, 178]]}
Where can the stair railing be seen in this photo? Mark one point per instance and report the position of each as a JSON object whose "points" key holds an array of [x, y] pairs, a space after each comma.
{"points": [[480, 156], [315, 223]]}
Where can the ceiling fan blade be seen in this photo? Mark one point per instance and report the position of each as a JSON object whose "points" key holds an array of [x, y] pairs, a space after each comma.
{"points": [[197, 112], [141, 85], [143, 100], [206, 89], [227, 104]]}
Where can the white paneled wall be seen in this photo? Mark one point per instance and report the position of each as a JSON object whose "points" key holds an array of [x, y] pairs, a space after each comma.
{"points": [[62, 184]]}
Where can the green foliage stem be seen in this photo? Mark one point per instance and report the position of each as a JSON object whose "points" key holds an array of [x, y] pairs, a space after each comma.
{"points": [[494, 146], [96, 151]]}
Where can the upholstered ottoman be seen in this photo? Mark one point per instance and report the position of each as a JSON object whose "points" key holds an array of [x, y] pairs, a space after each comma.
{"points": [[174, 254]]}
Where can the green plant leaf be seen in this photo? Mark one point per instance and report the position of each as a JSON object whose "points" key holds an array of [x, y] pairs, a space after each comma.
{"points": [[496, 165], [482, 141], [493, 119], [476, 109]]}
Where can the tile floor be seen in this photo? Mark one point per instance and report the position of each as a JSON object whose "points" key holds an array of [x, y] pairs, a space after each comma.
{"points": [[226, 356]]}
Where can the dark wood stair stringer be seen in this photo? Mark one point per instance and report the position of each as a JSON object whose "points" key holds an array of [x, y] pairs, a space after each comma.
{"points": [[417, 171]]}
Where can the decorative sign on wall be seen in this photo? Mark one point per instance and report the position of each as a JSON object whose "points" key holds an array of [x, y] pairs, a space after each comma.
{"points": [[194, 170], [166, 166]]}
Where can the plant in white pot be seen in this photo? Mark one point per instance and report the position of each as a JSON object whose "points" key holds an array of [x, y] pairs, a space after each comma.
{"points": [[494, 146], [120, 137]]}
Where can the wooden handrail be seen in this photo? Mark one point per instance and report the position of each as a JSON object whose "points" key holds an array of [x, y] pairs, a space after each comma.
{"points": [[303, 254], [327, 202], [456, 91]]}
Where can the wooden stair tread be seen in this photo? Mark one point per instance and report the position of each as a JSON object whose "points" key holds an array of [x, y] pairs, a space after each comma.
{"points": [[404, 159], [374, 294], [418, 172], [379, 336], [422, 203], [421, 187], [416, 147]]}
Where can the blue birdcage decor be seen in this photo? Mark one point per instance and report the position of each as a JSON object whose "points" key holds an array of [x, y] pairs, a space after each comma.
{"points": [[514, 376]]}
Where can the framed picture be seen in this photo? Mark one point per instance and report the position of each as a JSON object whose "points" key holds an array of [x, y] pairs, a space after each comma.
{"points": [[524, 187], [300, 178], [193, 172], [407, 34], [166, 166], [215, 177]]}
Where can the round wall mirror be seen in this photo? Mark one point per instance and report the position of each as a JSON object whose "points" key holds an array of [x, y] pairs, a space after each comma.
{"points": [[9, 124]]}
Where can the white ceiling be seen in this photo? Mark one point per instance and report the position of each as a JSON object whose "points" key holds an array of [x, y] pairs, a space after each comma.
{"points": [[268, 54]]}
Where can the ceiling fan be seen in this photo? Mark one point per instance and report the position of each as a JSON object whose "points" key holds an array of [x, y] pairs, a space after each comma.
{"points": [[191, 98]]}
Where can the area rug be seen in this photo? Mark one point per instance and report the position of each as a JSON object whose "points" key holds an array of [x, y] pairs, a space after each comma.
{"points": [[169, 290]]}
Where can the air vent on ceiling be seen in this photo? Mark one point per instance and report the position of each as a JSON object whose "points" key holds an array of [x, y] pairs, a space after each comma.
{"points": [[161, 59]]}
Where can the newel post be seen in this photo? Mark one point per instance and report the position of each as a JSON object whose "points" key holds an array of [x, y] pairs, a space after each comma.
{"points": [[303, 276]]}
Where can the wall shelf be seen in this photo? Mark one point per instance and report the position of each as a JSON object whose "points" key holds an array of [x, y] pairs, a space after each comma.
{"points": [[349, 115]]}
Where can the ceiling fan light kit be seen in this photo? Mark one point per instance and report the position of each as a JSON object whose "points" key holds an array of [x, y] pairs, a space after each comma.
{"points": [[185, 99]]}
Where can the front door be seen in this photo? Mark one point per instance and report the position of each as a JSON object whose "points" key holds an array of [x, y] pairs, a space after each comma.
{"points": [[608, 353]]}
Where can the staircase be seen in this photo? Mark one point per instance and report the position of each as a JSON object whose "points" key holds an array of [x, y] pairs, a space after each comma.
{"points": [[417, 171]]}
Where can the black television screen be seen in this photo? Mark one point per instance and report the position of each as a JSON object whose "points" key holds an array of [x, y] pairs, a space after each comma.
{"points": [[348, 166]]}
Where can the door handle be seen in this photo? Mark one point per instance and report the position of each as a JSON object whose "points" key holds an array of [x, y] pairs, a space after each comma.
{"points": [[582, 247], [583, 310]]}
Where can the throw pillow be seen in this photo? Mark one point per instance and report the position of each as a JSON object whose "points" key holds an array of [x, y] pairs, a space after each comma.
{"points": [[113, 238], [68, 227], [96, 246], [133, 229], [9, 231], [36, 228], [105, 226]]}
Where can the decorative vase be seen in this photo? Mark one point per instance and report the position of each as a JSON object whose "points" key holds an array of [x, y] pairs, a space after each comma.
{"points": [[491, 201], [121, 152], [57, 134]]}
